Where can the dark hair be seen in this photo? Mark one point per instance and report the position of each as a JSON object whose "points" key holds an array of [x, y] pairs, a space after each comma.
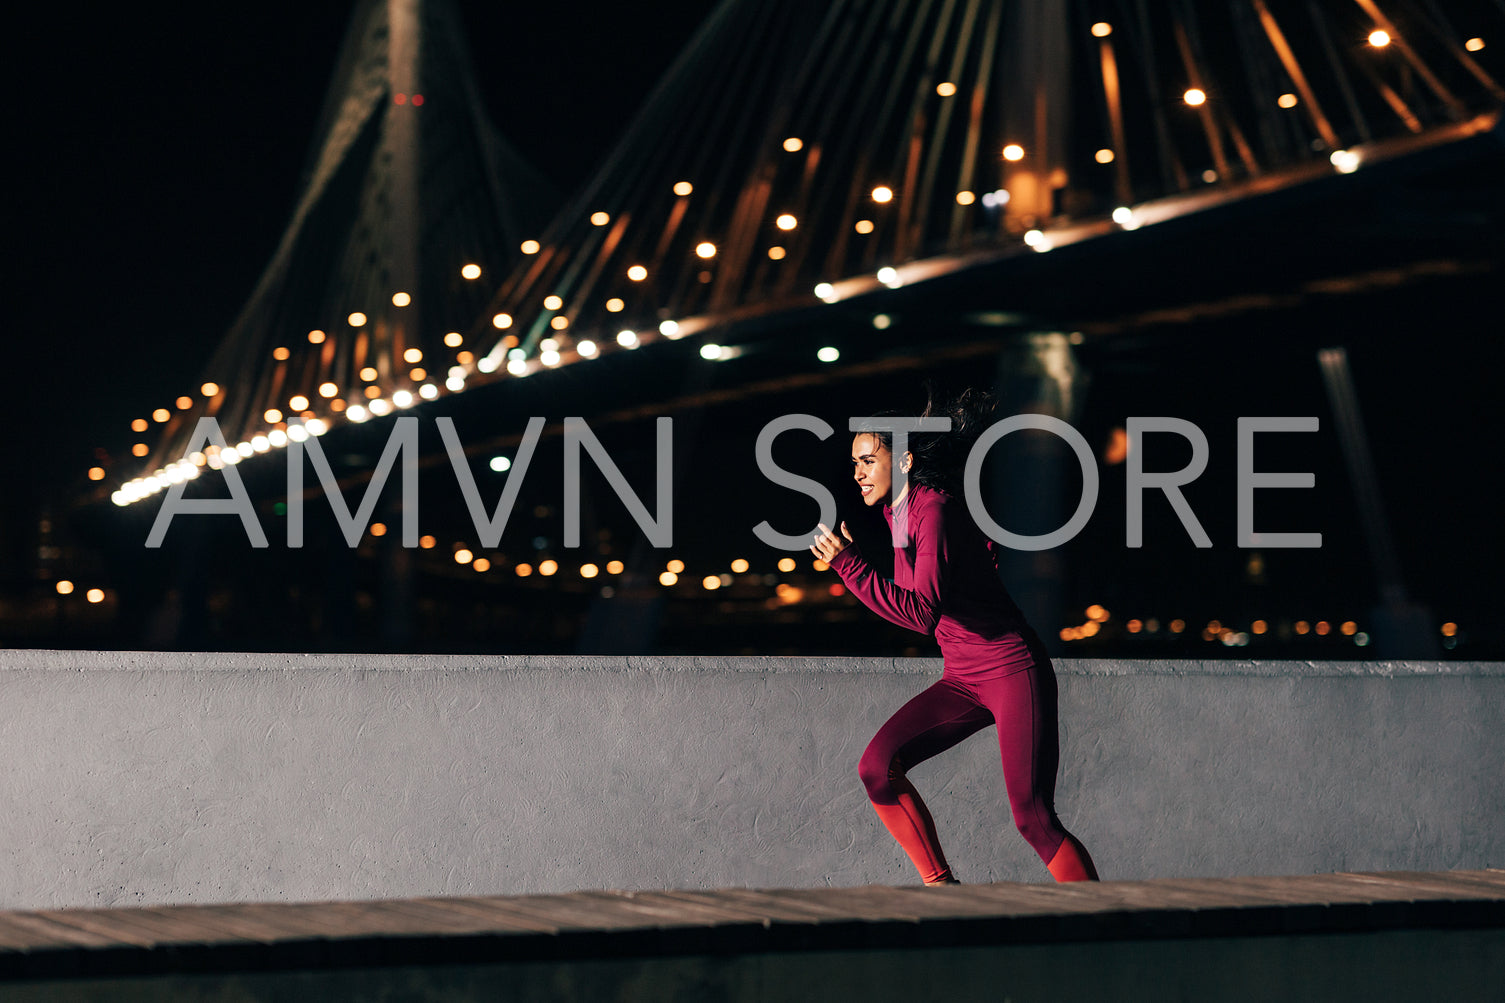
{"points": [[940, 457]]}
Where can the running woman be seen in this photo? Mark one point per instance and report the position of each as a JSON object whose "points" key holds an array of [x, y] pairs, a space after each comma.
{"points": [[996, 671]]}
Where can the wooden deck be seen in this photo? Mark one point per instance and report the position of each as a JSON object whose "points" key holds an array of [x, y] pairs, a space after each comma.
{"points": [[196, 939]]}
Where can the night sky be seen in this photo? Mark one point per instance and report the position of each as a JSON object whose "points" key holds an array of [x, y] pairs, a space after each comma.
{"points": [[156, 156]]}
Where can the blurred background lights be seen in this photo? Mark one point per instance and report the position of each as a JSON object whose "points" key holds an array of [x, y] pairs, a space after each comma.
{"points": [[1123, 214], [863, 226], [668, 578], [1346, 161], [161, 415], [183, 403], [705, 249], [552, 302], [138, 425], [1379, 39], [357, 414], [502, 321], [209, 389], [1013, 152], [1474, 45], [786, 221], [471, 271], [600, 218], [1286, 100], [828, 354], [1102, 29], [889, 276], [1194, 96], [740, 565], [96, 473], [615, 305], [517, 367], [548, 567], [481, 564], [883, 193], [403, 398], [637, 273], [786, 564], [298, 402], [683, 188], [281, 354], [357, 319], [368, 373], [1103, 156], [559, 323], [401, 299], [589, 571], [669, 328], [463, 556], [487, 365], [548, 345], [881, 321], [945, 88], [826, 291], [428, 391], [454, 339], [500, 464], [549, 358], [615, 567], [586, 348], [965, 198], [272, 415], [676, 565], [627, 339], [413, 355], [711, 352], [64, 587], [529, 247], [317, 337], [793, 144], [95, 595], [328, 389]]}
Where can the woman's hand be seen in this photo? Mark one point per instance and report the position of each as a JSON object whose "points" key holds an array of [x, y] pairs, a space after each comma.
{"points": [[827, 544]]}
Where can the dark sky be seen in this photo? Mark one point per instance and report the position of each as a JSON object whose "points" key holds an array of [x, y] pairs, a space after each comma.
{"points": [[155, 156]]}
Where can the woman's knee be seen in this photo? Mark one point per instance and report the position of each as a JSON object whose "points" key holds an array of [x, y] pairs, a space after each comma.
{"points": [[876, 768]]}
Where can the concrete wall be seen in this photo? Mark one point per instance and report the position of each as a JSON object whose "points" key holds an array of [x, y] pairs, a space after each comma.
{"points": [[139, 777]]}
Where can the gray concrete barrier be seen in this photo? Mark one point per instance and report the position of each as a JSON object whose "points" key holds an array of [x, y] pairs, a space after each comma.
{"points": [[143, 777]]}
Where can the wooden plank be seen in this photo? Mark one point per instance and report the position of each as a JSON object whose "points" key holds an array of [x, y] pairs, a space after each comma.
{"points": [[103, 923], [672, 912], [781, 906], [18, 933], [495, 910], [1453, 884], [570, 913]]}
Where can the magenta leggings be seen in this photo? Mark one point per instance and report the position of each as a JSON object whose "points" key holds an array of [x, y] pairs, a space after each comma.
{"points": [[1022, 704]]}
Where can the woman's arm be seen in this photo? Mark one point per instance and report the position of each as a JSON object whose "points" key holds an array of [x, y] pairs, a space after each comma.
{"points": [[917, 608]]}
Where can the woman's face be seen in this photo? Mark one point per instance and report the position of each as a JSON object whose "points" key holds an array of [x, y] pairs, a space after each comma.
{"points": [[872, 468]]}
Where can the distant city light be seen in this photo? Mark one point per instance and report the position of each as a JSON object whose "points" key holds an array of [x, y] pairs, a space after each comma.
{"points": [[401, 299], [272, 415], [517, 367], [357, 414], [705, 249], [552, 302], [793, 144], [965, 198], [826, 291], [96, 473], [627, 339], [1474, 44], [1013, 152], [64, 588], [529, 247], [711, 352], [786, 221], [1379, 39], [500, 464], [669, 328], [589, 571], [615, 305], [428, 391], [786, 564], [945, 88], [548, 567], [95, 595], [881, 321], [481, 564], [889, 276], [559, 323], [161, 414], [454, 339], [828, 354], [470, 272], [209, 389], [1194, 96], [863, 226], [883, 193], [317, 337], [1103, 156], [328, 390], [1123, 215], [1102, 29], [523, 570], [637, 273], [501, 321], [403, 398], [356, 319], [600, 218], [413, 355], [1286, 100], [586, 348], [463, 556], [280, 353], [683, 188], [138, 425], [549, 358]]}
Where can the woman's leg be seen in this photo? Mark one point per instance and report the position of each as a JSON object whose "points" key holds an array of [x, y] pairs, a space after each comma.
{"points": [[932, 722], [1024, 705]]}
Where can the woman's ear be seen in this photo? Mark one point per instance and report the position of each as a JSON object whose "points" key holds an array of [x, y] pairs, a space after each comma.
{"points": [[907, 462]]}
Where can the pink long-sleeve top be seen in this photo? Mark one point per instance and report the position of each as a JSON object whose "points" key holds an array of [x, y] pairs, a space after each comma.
{"points": [[945, 583]]}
